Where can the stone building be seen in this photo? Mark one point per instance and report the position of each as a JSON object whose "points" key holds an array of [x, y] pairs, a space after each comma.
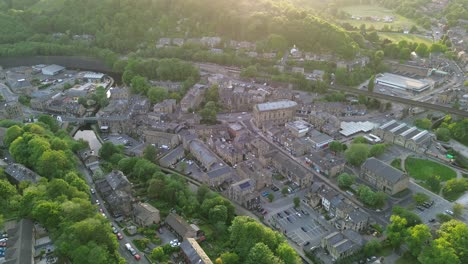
{"points": [[278, 113], [161, 138], [228, 152], [116, 190], [181, 228], [145, 214], [18, 173], [166, 107], [253, 169], [13, 110], [288, 168], [342, 244], [404, 135], [383, 176], [193, 98], [244, 193], [326, 162]]}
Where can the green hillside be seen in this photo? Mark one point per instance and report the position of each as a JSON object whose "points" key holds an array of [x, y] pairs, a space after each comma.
{"points": [[122, 25]]}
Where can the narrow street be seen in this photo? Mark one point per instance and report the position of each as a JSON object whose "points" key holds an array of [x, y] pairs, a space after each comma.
{"points": [[122, 249]]}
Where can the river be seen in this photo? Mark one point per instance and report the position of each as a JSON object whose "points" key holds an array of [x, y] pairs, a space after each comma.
{"points": [[89, 136]]}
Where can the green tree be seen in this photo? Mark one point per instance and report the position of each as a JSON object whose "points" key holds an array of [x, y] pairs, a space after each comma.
{"points": [[229, 258], [356, 154], [424, 123], [337, 146], [396, 230], [412, 219], [360, 140], [150, 153], [443, 134], [297, 202], [261, 254], [249, 72], [372, 248], [212, 94], [371, 85], [202, 192], [54, 164], [271, 197], [422, 50], [277, 42], [158, 254], [11, 134], [345, 180], [107, 150], [285, 191], [439, 252], [218, 214], [49, 121], [377, 150], [139, 85], [417, 238], [420, 198], [457, 209], [434, 183], [287, 254], [209, 112], [157, 94]]}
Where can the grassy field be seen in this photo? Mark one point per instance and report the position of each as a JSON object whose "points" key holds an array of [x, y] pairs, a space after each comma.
{"points": [[399, 22], [396, 37], [421, 169]]}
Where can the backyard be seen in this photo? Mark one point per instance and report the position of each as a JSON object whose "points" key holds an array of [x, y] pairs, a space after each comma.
{"points": [[422, 169]]}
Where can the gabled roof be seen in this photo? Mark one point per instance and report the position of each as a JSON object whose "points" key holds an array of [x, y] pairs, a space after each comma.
{"points": [[383, 170], [194, 253], [179, 225]]}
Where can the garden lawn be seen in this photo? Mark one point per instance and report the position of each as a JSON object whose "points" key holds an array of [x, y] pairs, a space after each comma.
{"points": [[421, 169]]}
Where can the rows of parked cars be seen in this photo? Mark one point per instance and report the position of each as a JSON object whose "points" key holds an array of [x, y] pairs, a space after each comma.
{"points": [[425, 205], [3, 244]]}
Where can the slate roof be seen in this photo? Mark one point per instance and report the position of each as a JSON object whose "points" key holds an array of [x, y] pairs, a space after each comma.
{"points": [[219, 172], [382, 169], [21, 173], [117, 179], [276, 105], [179, 225], [194, 252]]}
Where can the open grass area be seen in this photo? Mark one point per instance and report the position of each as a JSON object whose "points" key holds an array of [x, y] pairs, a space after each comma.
{"points": [[399, 22], [397, 37], [407, 258], [421, 169]]}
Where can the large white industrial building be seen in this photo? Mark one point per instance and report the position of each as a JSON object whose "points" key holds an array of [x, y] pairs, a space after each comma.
{"points": [[403, 83]]}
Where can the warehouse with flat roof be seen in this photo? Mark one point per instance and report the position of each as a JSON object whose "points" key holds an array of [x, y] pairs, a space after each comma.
{"points": [[403, 83]]}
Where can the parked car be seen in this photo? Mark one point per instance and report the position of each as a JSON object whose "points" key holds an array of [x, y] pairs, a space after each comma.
{"points": [[432, 220], [286, 212], [420, 208], [119, 236], [290, 221], [97, 202], [449, 212], [279, 215], [93, 191], [265, 194], [137, 257], [307, 243], [115, 230], [303, 229], [174, 243]]}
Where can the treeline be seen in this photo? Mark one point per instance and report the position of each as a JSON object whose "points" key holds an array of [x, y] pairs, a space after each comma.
{"points": [[124, 25], [60, 201], [138, 72]]}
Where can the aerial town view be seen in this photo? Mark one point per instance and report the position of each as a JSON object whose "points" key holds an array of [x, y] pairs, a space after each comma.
{"points": [[231, 132]]}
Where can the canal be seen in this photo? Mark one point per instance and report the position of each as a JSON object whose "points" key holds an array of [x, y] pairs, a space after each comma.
{"points": [[91, 137]]}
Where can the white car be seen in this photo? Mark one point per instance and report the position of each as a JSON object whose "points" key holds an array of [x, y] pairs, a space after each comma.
{"points": [[449, 212], [174, 243]]}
